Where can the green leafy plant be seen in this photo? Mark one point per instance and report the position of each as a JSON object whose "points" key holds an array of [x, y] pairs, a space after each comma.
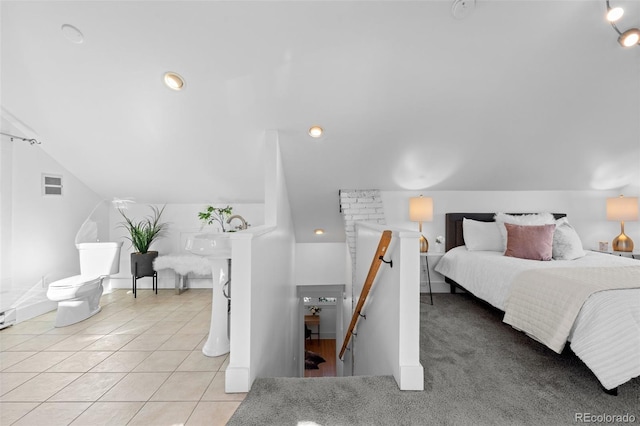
{"points": [[142, 233], [215, 214]]}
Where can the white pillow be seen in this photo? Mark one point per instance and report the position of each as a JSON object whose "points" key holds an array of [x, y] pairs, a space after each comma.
{"points": [[566, 242], [481, 235], [523, 220]]}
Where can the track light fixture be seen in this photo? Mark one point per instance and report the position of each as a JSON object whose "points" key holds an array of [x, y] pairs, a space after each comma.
{"points": [[12, 137], [628, 38]]}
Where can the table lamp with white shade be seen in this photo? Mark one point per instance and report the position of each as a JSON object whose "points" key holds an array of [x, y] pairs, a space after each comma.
{"points": [[421, 210], [622, 209]]}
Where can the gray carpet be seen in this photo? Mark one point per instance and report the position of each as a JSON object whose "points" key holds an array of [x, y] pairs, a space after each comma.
{"points": [[478, 371]]}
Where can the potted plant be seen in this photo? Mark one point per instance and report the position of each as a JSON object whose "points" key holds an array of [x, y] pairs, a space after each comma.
{"points": [[142, 234], [215, 214]]}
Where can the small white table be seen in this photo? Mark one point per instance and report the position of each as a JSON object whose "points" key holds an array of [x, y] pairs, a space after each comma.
{"points": [[634, 254]]}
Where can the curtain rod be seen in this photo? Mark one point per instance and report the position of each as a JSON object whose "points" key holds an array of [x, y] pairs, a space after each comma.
{"points": [[31, 141]]}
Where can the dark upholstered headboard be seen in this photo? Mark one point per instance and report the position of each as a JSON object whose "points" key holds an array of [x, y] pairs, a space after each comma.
{"points": [[453, 225]]}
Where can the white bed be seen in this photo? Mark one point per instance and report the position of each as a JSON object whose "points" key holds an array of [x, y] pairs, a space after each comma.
{"points": [[606, 331]]}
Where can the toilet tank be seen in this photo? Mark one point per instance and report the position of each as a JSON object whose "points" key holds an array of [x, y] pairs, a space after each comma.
{"points": [[99, 259]]}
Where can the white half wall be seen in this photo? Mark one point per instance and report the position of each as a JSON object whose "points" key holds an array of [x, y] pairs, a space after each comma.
{"points": [[263, 301], [388, 339]]}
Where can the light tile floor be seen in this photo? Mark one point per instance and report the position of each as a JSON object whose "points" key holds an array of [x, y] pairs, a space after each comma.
{"points": [[137, 362]]}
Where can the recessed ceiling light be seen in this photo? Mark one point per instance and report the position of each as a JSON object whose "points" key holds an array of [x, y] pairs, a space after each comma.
{"points": [[72, 34], [318, 231], [315, 131], [460, 9], [173, 81]]}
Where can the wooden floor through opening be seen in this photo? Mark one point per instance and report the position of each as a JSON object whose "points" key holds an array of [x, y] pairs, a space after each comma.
{"points": [[326, 348]]}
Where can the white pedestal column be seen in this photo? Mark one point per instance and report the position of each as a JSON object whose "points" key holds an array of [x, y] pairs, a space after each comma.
{"points": [[218, 341]]}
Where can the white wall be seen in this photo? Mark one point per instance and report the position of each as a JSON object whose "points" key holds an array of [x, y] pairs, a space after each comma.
{"points": [[6, 193], [347, 310], [41, 231], [45, 222], [320, 263]]}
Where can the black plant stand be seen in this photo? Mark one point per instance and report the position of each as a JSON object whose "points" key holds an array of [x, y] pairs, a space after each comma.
{"points": [[142, 266], [135, 277]]}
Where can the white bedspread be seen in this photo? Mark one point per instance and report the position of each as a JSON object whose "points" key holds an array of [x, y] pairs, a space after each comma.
{"points": [[606, 333], [606, 336], [545, 303]]}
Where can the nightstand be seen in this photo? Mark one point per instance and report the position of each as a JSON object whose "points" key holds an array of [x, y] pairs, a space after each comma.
{"points": [[428, 261], [632, 255]]}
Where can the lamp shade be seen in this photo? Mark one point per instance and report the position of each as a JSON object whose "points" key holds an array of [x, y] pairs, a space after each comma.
{"points": [[420, 209], [622, 208]]}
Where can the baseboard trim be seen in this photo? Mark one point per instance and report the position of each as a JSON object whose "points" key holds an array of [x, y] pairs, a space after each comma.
{"points": [[411, 377], [237, 380]]}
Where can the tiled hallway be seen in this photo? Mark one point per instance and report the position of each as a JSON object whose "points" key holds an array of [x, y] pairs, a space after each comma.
{"points": [[137, 362]]}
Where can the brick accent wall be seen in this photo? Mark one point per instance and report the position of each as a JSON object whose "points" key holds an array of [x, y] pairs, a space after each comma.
{"points": [[359, 205]]}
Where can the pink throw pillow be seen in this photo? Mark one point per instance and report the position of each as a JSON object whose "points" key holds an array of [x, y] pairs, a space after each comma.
{"points": [[530, 242]]}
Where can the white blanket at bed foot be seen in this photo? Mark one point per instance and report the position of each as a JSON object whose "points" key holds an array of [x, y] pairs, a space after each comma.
{"points": [[606, 336]]}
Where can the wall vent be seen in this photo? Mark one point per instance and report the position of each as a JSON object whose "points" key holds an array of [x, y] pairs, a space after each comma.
{"points": [[51, 185]]}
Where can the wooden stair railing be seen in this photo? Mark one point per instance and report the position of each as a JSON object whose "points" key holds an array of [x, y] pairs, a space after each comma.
{"points": [[373, 270]]}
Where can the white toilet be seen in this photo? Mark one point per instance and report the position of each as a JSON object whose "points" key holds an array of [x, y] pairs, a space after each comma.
{"points": [[78, 297]]}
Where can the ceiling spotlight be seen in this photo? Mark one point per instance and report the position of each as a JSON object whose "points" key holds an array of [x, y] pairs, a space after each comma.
{"points": [[173, 81], [629, 38], [614, 14], [315, 131], [318, 231]]}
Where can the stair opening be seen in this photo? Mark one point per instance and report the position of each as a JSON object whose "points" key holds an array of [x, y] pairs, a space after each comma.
{"points": [[320, 322]]}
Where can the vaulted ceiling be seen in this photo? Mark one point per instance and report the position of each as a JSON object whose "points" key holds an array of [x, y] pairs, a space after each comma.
{"points": [[517, 95]]}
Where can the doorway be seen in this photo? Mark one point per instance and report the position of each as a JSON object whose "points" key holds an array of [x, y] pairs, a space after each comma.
{"points": [[321, 330]]}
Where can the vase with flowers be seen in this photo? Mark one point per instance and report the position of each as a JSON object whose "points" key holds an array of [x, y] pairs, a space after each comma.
{"points": [[314, 310]]}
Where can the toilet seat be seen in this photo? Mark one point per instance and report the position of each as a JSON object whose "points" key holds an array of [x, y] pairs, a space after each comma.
{"points": [[72, 287]]}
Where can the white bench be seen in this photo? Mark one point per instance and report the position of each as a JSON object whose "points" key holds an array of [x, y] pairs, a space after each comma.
{"points": [[183, 265]]}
